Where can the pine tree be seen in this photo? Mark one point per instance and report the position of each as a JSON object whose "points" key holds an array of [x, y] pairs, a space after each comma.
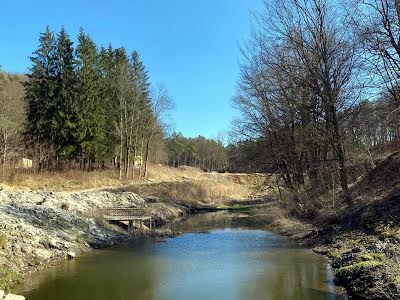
{"points": [[107, 136], [88, 90], [40, 94], [123, 94], [66, 119], [141, 108]]}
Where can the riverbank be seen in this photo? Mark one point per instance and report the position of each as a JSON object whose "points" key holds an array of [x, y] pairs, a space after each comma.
{"points": [[366, 263], [234, 261], [41, 227], [362, 240], [38, 228]]}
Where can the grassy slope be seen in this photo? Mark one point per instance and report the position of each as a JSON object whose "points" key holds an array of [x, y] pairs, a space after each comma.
{"points": [[364, 239]]}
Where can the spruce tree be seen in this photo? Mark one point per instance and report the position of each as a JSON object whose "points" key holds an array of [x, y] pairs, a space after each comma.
{"points": [[65, 124], [41, 89], [139, 108], [108, 137], [89, 112], [123, 94]]}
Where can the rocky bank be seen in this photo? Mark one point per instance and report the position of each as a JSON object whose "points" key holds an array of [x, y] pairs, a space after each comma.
{"points": [[38, 228]]}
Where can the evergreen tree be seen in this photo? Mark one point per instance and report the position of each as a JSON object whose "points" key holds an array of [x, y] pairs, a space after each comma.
{"points": [[89, 104], [142, 113], [107, 137], [66, 120], [88, 90], [41, 89], [123, 94]]}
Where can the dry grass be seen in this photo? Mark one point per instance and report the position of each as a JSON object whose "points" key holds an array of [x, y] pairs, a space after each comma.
{"points": [[61, 181], [71, 180], [205, 191], [162, 173], [183, 184]]}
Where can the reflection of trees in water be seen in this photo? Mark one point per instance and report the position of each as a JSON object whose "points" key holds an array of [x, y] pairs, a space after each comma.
{"points": [[290, 274], [107, 276], [234, 264], [203, 222], [215, 220]]}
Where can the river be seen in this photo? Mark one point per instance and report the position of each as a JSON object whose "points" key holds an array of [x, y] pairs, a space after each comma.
{"points": [[211, 259]]}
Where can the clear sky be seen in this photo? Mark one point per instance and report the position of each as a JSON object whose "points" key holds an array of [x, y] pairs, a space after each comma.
{"points": [[189, 45]]}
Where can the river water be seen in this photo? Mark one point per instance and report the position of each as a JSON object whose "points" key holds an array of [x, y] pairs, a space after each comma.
{"points": [[210, 260]]}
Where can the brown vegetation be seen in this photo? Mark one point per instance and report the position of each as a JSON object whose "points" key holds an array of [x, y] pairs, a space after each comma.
{"points": [[184, 184]]}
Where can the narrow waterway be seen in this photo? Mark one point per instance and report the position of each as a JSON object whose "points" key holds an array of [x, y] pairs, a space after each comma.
{"points": [[212, 259]]}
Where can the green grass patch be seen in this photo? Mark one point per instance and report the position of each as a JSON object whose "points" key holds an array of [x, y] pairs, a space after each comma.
{"points": [[371, 257], [239, 207], [389, 231], [369, 264], [8, 278]]}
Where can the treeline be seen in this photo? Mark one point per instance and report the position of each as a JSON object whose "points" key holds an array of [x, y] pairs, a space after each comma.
{"points": [[249, 156], [12, 117], [207, 154], [319, 90], [86, 106], [374, 126]]}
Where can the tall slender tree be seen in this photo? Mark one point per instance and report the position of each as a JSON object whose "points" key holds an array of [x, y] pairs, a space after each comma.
{"points": [[66, 119], [88, 90], [41, 89]]}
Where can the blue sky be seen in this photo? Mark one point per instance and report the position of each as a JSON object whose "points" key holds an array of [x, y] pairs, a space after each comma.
{"points": [[189, 45]]}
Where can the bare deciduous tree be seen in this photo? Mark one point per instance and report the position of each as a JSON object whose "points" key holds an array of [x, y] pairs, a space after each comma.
{"points": [[11, 114], [297, 78]]}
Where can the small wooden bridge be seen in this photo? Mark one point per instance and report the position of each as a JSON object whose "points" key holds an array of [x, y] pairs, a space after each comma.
{"points": [[126, 214]]}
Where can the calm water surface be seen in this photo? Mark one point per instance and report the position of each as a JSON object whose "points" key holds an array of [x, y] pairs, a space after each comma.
{"points": [[207, 262]]}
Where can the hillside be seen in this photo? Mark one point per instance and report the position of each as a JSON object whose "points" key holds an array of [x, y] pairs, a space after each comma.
{"points": [[364, 243]]}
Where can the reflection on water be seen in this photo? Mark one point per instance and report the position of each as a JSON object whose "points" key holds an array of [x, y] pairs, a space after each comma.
{"points": [[219, 264]]}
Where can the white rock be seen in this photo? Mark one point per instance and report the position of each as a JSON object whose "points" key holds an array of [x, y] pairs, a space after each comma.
{"points": [[43, 253], [71, 255], [1, 294], [14, 297]]}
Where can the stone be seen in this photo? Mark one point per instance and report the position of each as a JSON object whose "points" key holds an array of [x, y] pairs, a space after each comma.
{"points": [[43, 253], [356, 250], [52, 244], [1, 294], [375, 247], [14, 297], [71, 255]]}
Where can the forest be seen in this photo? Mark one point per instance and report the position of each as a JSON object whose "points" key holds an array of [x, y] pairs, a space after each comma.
{"points": [[319, 89], [206, 154], [84, 107], [90, 108]]}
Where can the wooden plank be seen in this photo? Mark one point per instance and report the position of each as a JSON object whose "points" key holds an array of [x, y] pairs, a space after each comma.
{"points": [[126, 218], [128, 214]]}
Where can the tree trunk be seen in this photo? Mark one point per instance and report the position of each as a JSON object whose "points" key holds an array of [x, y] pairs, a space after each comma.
{"points": [[146, 159], [127, 163], [141, 156], [120, 150], [4, 152], [338, 146]]}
